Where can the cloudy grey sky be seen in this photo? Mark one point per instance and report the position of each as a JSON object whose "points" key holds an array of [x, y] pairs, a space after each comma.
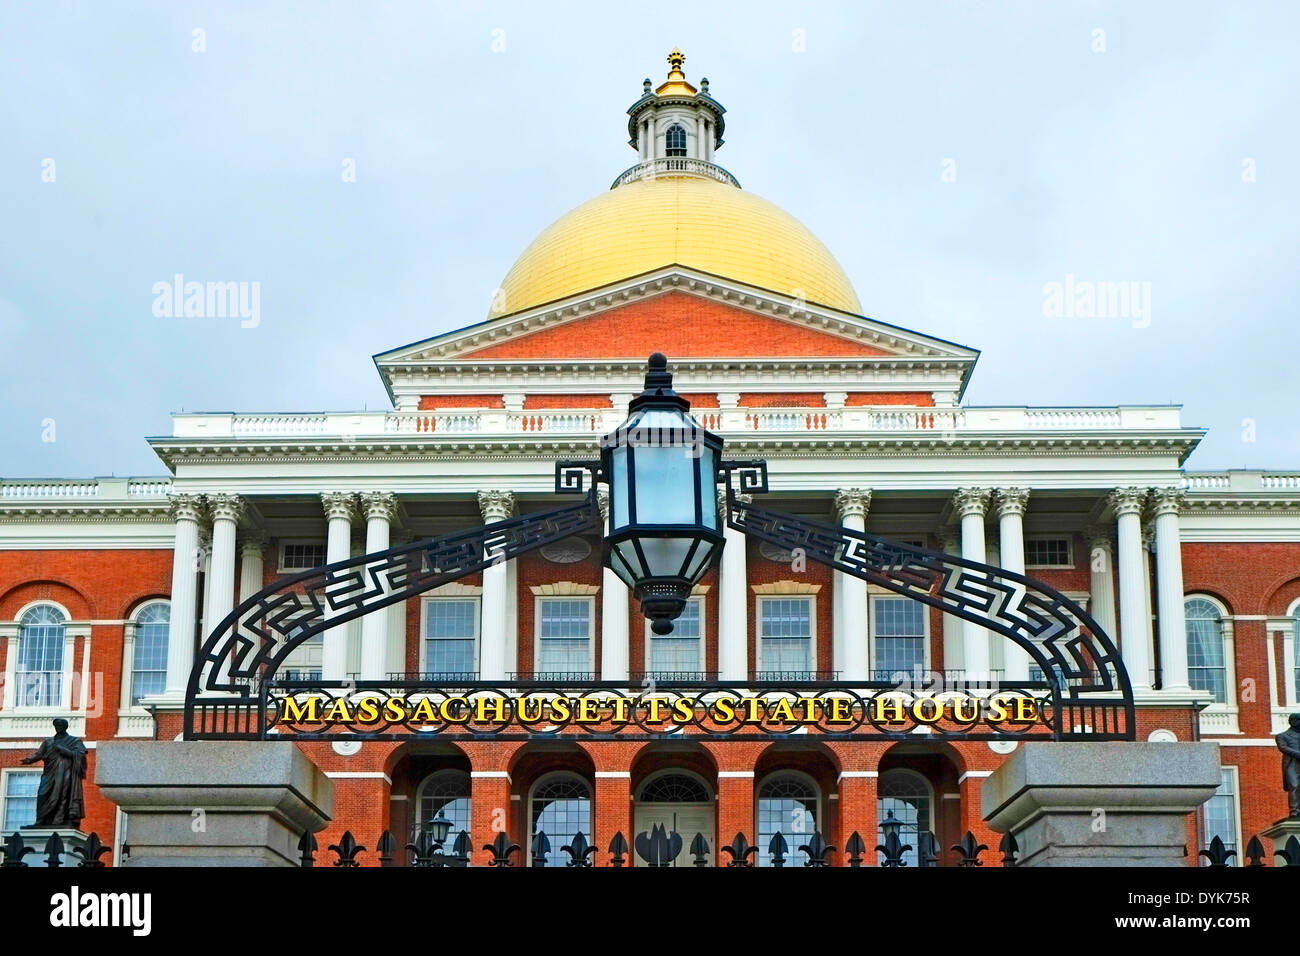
{"points": [[1130, 165]]}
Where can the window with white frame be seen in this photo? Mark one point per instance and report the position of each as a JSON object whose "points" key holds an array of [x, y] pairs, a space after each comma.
{"points": [[1048, 551], [1207, 667], [1295, 658], [39, 674], [905, 796], [675, 141], [679, 655], [560, 808], [788, 805], [451, 628], [897, 636], [785, 631], [305, 661], [564, 637], [149, 656], [445, 793], [19, 799], [1219, 814], [300, 555]]}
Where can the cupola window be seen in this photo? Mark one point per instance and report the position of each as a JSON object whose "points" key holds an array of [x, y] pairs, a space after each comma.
{"points": [[675, 141]]}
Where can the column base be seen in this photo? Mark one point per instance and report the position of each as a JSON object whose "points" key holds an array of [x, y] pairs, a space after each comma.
{"points": [[214, 803], [1101, 804]]}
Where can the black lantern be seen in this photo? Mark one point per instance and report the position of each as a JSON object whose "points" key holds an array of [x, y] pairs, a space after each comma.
{"points": [[662, 467], [439, 827]]}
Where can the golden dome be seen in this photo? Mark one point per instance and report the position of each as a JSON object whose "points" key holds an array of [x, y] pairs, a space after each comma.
{"points": [[700, 223]]}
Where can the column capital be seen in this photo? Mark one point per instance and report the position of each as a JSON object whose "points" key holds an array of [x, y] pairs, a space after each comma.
{"points": [[722, 503], [1167, 501], [1012, 501], [1128, 501], [971, 501], [254, 542], [948, 538], [339, 504], [496, 505], [1099, 536], [379, 504], [602, 501], [226, 507], [852, 502], [185, 507]]}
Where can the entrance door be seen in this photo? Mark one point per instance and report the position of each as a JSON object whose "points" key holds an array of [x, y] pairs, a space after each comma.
{"points": [[686, 819]]}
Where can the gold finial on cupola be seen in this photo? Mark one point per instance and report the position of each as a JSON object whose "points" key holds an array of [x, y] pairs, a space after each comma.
{"points": [[676, 83]]}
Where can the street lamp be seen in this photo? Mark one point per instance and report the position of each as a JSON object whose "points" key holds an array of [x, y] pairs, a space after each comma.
{"points": [[439, 827], [662, 469]]}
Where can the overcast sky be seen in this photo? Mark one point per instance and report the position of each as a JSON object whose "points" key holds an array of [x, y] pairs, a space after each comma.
{"points": [[956, 158]]}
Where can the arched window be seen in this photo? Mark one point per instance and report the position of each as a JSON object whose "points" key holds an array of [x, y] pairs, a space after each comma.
{"points": [[40, 657], [787, 804], [675, 141], [907, 795], [560, 808], [445, 792], [1206, 667], [1295, 658], [674, 787], [149, 659]]}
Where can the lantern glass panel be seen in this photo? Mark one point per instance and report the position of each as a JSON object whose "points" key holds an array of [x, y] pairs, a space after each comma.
{"points": [[665, 485], [707, 465], [618, 516], [665, 557]]}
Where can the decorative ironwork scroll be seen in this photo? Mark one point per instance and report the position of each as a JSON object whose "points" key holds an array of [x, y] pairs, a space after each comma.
{"points": [[251, 643], [1085, 674]]}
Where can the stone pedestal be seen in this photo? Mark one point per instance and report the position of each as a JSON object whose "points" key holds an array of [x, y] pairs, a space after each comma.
{"points": [[1101, 804], [1280, 833], [37, 837], [214, 803]]}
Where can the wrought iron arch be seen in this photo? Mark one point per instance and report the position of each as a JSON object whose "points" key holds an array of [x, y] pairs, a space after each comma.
{"points": [[1089, 686]]}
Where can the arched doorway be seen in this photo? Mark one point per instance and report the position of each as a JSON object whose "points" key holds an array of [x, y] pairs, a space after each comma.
{"points": [[428, 778], [444, 793], [559, 805], [918, 786], [680, 801]]}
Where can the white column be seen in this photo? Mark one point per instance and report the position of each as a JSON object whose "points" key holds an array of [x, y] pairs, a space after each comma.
{"points": [[1101, 581], [954, 651], [1148, 604], [733, 603], [614, 626], [380, 508], [971, 504], [1134, 646], [1169, 591], [340, 507], [226, 511], [851, 505], [251, 551], [1011, 505], [495, 506], [186, 512]]}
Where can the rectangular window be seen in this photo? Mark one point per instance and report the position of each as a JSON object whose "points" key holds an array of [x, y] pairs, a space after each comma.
{"points": [[1219, 813], [1048, 552], [564, 638], [898, 631], [785, 638], [20, 798], [451, 637], [678, 655], [302, 555]]}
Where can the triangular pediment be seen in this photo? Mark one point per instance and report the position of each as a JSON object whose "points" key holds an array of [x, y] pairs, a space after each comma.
{"points": [[684, 314]]}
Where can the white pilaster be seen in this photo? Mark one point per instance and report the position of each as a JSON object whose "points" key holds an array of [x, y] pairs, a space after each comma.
{"points": [[854, 664], [971, 504], [380, 508], [340, 507], [186, 512], [614, 626], [1134, 645], [495, 506], [733, 602], [1101, 580], [1011, 505], [1169, 591]]}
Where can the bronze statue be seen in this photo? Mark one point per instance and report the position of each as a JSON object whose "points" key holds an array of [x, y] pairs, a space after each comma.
{"points": [[1288, 741], [59, 800]]}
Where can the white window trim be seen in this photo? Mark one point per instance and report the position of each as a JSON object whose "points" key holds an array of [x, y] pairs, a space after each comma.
{"points": [[537, 633], [129, 723], [1282, 709], [547, 778], [665, 771], [10, 631], [1046, 536], [428, 778], [1221, 718], [874, 592], [704, 633], [1240, 847], [811, 598], [284, 542], [801, 775], [5, 775], [477, 598]]}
